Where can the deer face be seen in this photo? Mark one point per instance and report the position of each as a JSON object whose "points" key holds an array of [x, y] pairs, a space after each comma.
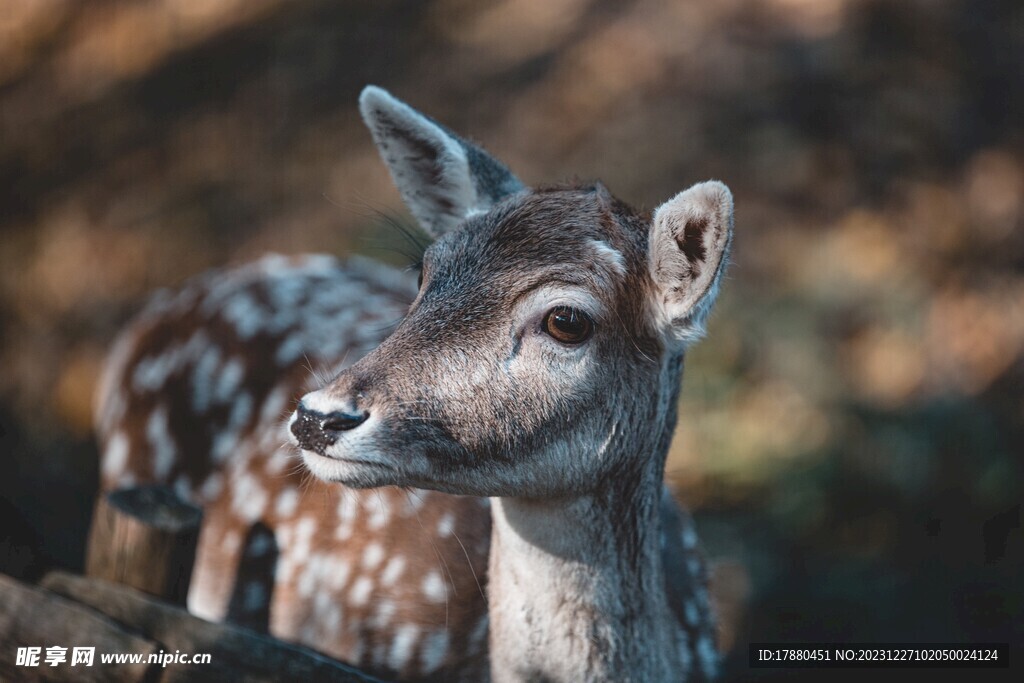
{"points": [[546, 333]]}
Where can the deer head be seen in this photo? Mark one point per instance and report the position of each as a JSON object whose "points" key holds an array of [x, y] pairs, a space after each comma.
{"points": [[543, 351]]}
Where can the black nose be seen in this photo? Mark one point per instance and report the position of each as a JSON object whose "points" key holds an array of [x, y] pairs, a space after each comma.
{"points": [[316, 431]]}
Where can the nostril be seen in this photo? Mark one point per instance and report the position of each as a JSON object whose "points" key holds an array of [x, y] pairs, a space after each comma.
{"points": [[342, 422]]}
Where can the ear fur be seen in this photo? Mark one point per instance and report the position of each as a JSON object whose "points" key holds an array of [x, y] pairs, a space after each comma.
{"points": [[442, 178], [688, 253]]}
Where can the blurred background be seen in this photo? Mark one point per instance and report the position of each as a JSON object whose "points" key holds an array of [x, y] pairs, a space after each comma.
{"points": [[851, 432]]}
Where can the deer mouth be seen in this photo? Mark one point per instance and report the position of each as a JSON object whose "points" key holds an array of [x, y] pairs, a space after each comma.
{"points": [[351, 461], [355, 472]]}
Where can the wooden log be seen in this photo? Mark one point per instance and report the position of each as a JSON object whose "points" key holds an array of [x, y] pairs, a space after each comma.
{"points": [[145, 538], [237, 654], [33, 617]]}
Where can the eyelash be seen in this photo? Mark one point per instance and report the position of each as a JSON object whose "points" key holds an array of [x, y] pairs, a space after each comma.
{"points": [[417, 267]]}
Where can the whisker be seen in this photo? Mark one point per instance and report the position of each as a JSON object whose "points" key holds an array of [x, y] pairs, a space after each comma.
{"points": [[631, 338], [437, 554], [412, 235], [470, 563]]}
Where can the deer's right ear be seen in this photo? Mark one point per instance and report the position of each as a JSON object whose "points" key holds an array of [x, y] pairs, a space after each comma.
{"points": [[688, 252], [442, 178]]}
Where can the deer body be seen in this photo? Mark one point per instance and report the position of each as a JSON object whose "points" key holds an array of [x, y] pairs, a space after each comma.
{"points": [[538, 366]]}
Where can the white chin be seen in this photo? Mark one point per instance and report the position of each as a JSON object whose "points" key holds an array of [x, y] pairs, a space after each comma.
{"points": [[358, 474]]}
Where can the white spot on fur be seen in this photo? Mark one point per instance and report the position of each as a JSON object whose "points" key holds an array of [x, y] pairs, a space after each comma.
{"points": [[689, 538], [322, 602], [245, 313], [434, 588], [285, 569], [348, 507], [182, 487], [151, 373], [274, 404], [414, 501], [317, 263], [435, 649], [295, 541], [231, 542], [202, 379], [392, 570], [383, 614], [224, 444], [291, 349], [287, 501], [348, 511], [231, 376], [212, 487], [343, 532], [446, 525], [708, 656], [685, 660], [357, 651], [314, 569], [304, 530], [692, 614], [380, 513], [273, 264], [241, 411], [227, 441], [115, 456], [280, 459], [373, 554], [402, 645], [332, 623], [479, 633], [249, 498], [307, 582], [361, 589], [339, 573], [159, 436]]}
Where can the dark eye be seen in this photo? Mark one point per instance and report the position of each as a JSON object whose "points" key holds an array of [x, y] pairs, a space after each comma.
{"points": [[419, 280], [568, 325]]}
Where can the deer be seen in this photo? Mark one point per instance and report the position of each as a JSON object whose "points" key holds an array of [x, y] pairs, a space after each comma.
{"points": [[474, 490]]}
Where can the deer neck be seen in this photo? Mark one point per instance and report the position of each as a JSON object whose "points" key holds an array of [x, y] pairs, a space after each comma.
{"points": [[577, 588], [576, 584]]}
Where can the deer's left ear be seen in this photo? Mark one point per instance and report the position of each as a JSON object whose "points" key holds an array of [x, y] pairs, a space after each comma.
{"points": [[442, 178], [688, 252]]}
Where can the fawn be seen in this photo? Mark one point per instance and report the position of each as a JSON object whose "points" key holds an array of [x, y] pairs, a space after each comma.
{"points": [[488, 498]]}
